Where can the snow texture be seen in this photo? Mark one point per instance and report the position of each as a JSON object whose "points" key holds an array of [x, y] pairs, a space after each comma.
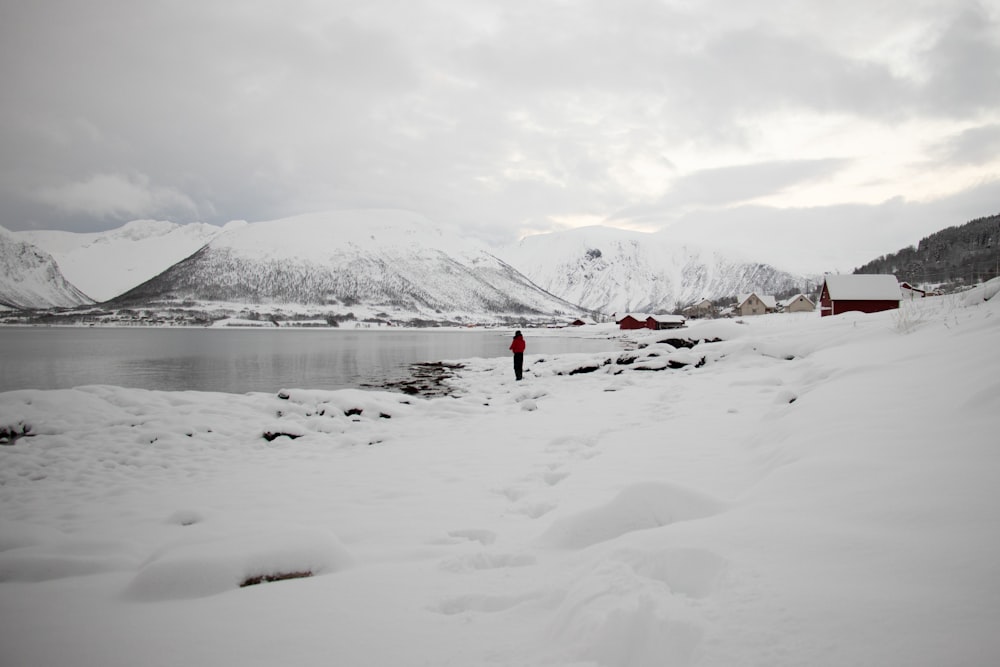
{"points": [[106, 264], [804, 491], [876, 287], [30, 277], [373, 261], [391, 260], [617, 271]]}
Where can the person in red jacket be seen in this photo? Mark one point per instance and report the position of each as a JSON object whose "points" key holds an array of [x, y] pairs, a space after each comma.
{"points": [[517, 347]]}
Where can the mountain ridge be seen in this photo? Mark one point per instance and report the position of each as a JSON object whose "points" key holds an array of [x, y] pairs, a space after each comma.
{"points": [[618, 271], [378, 261], [30, 277], [106, 264], [961, 254]]}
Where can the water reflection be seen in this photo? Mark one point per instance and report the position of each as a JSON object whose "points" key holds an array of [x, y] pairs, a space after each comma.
{"points": [[239, 360]]}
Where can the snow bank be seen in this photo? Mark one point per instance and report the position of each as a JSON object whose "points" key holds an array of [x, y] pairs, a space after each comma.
{"points": [[218, 565], [802, 491], [638, 507]]}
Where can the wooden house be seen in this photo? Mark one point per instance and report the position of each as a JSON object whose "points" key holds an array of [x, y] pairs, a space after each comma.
{"points": [[799, 303], [867, 293], [755, 304], [703, 308], [633, 321], [665, 321], [910, 292]]}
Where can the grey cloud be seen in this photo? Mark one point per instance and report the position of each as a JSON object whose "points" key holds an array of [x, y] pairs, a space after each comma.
{"points": [[488, 114], [975, 146], [964, 64], [832, 238], [729, 185]]}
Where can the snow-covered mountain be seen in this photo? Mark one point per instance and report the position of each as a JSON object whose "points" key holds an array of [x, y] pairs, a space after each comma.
{"points": [[618, 271], [393, 261], [374, 260], [106, 264], [30, 277]]}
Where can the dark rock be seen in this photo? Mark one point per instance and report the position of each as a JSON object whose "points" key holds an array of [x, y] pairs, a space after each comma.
{"points": [[273, 435], [279, 576]]}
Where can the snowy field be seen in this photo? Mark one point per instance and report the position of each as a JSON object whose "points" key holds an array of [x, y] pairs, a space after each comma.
{"points": [[806, 491]]}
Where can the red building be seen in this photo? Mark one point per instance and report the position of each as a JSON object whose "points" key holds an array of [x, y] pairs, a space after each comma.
{"points": [[633, 321], [866, 293], [644, 321], [665, 321]]}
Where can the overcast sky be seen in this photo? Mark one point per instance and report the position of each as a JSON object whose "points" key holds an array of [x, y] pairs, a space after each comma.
{"points": [[818, 134]]}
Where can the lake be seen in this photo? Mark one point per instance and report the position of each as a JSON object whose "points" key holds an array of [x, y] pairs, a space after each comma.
{"points": [[245, 360]]}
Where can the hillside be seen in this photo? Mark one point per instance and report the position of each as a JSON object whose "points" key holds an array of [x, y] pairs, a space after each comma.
{"points": [[106, 264], [614, 270], [390, 262], [30, 278], [964, 254]]}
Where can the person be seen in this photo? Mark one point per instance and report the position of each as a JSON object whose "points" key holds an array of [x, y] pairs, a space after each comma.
{"points": [[517, 347]]}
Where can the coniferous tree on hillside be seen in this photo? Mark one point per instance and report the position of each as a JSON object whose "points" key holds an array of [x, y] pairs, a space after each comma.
{"points": [[966, 254]]}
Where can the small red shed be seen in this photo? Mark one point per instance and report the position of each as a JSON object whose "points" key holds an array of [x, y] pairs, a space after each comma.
{"points": [[867, 293]]}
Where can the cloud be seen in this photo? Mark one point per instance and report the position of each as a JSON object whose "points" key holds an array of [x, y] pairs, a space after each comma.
{"points": [[964, 78], [116, 195], [974, 146], [836, 238], [728, 185], [501, 117]]}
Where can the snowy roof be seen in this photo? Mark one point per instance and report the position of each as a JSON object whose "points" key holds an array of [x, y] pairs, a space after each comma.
{"points": [[863, 287], [668, 318], [767, 299], [642, 317], [789, 301]]}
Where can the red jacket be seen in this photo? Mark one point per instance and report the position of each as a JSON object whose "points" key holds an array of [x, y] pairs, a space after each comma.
{"points": [[517, 345]]}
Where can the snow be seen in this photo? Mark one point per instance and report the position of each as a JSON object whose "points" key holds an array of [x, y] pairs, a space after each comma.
{"points": [[614, 270], [347, 231], [30, 278], [819, 491], [106, 264], [863, 287]]}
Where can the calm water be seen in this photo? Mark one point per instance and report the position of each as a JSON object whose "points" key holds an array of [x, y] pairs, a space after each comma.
{"points": [[242, 360]]}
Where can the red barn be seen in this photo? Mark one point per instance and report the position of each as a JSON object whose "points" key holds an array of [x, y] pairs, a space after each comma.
{"points": [[633, 321], [665, 321], [867, 293]]}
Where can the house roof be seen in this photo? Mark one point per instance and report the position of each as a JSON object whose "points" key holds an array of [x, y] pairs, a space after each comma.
{"points": [[668, 318], [642, 317], [863, 287], [766, 299], [791, 300]]}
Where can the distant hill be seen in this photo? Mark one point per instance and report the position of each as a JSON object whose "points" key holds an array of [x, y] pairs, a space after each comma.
{"points": [[965, 254], [106, 264], [619, 271], [389, 263], [30, 278]]}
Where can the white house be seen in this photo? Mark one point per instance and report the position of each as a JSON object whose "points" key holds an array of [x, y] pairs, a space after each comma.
{"points": [[755, 304]]}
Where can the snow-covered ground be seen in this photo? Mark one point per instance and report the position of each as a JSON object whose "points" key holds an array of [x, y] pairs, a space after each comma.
{"points": [[817, 492]]}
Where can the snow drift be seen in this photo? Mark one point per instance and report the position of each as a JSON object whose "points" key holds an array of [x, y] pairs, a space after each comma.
{"points": [[820, 491]]}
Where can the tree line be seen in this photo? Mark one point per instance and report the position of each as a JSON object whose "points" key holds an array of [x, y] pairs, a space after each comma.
{"points": [[960, 255]]}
